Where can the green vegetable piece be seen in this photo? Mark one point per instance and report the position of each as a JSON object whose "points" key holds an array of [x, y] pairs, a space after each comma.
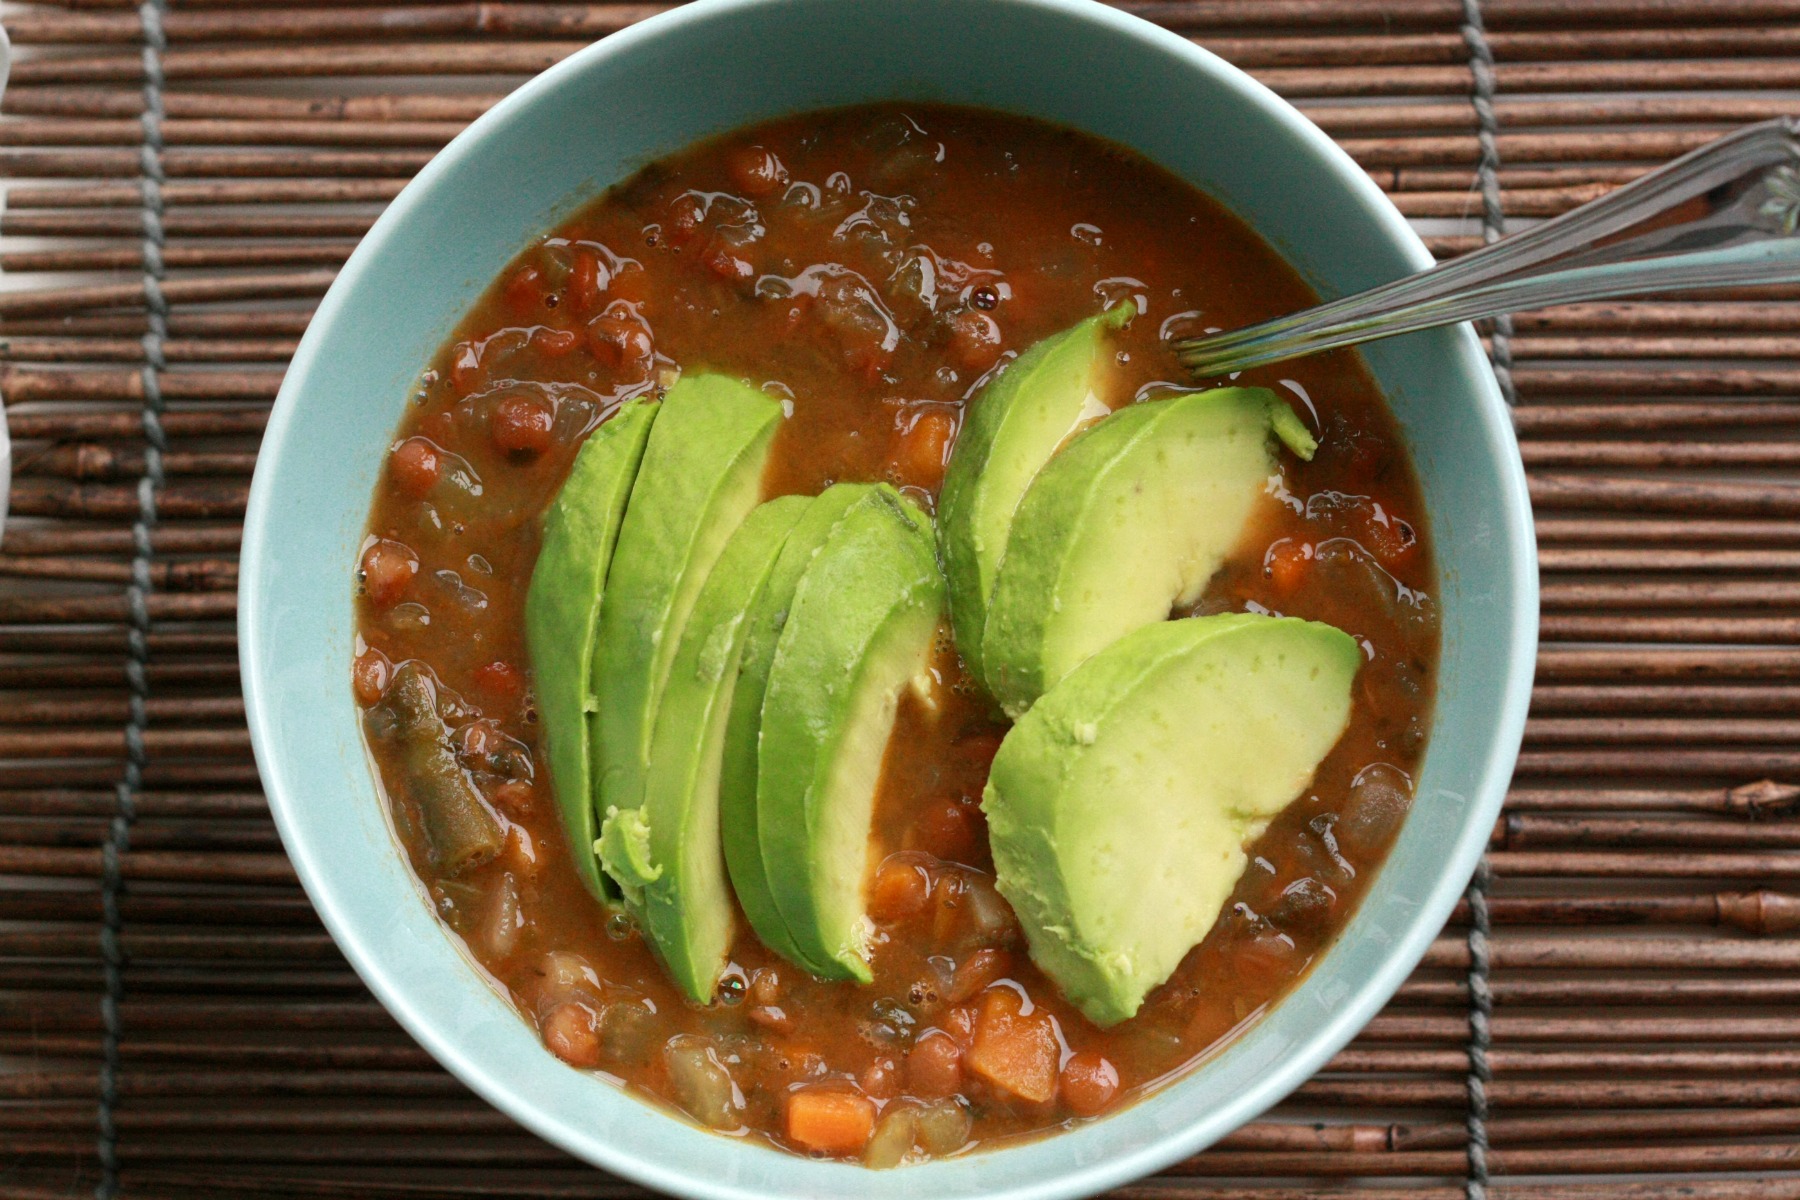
{"points": [[1119, 807], [763, 624], [1132, 519], [860, 630], [701, 475], [1010, 430], [686, 905], [562, 612], [461, 831]]}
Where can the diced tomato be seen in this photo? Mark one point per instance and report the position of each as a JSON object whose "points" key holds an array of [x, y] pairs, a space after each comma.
{"points": [[554, 343], [934, 1066], [415, 466], [1287, 564], [524, 290], [500, 678], [974, 340], [755, 170], [1015, 1051], [1089, 1083], [585, 282], [388, 570], [901, 888], [521, 425], [728, 266], [830, 1120], [685, 215], [572, 1034], [631, 286], [619, 341], [369, 676], [925, 448], [1390, 537], [952, 830]]}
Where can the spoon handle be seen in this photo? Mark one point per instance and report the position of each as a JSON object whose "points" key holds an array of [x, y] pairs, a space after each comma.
{"points": [[1725, 214]]}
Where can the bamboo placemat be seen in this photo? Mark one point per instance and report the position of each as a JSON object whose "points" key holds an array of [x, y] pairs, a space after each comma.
{"points": [[173, 1019]]}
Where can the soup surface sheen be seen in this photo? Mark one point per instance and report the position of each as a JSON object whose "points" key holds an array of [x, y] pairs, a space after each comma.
{"points": [[869, 266]]}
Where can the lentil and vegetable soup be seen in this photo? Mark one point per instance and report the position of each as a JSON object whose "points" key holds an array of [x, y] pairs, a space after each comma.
{"points": [[872, 269]]}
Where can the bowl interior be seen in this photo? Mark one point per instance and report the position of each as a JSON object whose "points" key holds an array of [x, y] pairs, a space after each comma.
{"points": [[706, 68]]}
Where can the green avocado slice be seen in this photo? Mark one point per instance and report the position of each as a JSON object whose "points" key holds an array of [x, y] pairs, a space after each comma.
{"points": [[1131, 519], [859, 630], [562, 609], [743, 730], [701, 475], [685, 903], [1011, 429], [1119, 807]]}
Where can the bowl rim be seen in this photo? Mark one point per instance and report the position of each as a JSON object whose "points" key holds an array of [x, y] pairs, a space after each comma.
{"points": [[1172, 1143]]}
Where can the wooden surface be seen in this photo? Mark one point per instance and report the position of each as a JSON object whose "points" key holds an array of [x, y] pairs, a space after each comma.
{"points": [[1646, 908]]}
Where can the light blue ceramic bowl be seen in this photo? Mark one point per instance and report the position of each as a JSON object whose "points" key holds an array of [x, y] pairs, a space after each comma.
{"points": [[641, 94]]}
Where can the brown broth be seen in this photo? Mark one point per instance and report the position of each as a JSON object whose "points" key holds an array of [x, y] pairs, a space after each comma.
{"points": [[814, 281]]}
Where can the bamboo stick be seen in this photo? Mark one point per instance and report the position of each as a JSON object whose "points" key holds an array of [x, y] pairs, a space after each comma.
{"points": [[1641, 761], [210, 192], [157, 833], [1514, 1027], [301, 24], [1516, 202], [165, 1016], [209, 576], [1760, 912], [80, 609], [185, 979], [1665, 496], [1533, 346], [182, 163], [1644, 418], [158, 708], [210, 1052], [1612, 731], [141, 944], [1574, 864], [1561, 627], [1735, 990], [110, 743], [282, 286], [1561, 1161], [1685, 595], [184, 105], [1506, 1060], [182, 323], [1651, 146], [162, 1082], [23, 385], [1655, 379], [1659, 454], [94, 460], [1524, 831], [182, 222], [1631, 698], [63, 350], [1765, 798], [49, 803], [57, 131], [86, 675], [165, 539], [1556, 1094], [1562, 559], [1341, 120], [1661, 533], [1673, 317], [207, 501], [1666, 663], [162, 642], [1710, 74], [1594, 952], [302, 62], [298, 254], [157, 774], [158, 865], [136, 907], [462, 1119]]}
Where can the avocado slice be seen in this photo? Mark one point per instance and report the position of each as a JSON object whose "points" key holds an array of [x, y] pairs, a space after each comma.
{"points": [[1009, 431], [562, 610], [859, 630], [1131, 519], [701, 475], [685, 901], [743, 731], [1119, 807]]}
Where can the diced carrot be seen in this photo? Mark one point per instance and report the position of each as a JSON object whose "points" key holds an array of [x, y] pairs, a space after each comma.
{"points": [[925, 448], [1287, 563], [900, 889], [829, 1120], [1015, 1051]]}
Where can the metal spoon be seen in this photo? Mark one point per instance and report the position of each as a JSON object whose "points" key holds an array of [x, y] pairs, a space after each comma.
{"points": [[1726, 214]]}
